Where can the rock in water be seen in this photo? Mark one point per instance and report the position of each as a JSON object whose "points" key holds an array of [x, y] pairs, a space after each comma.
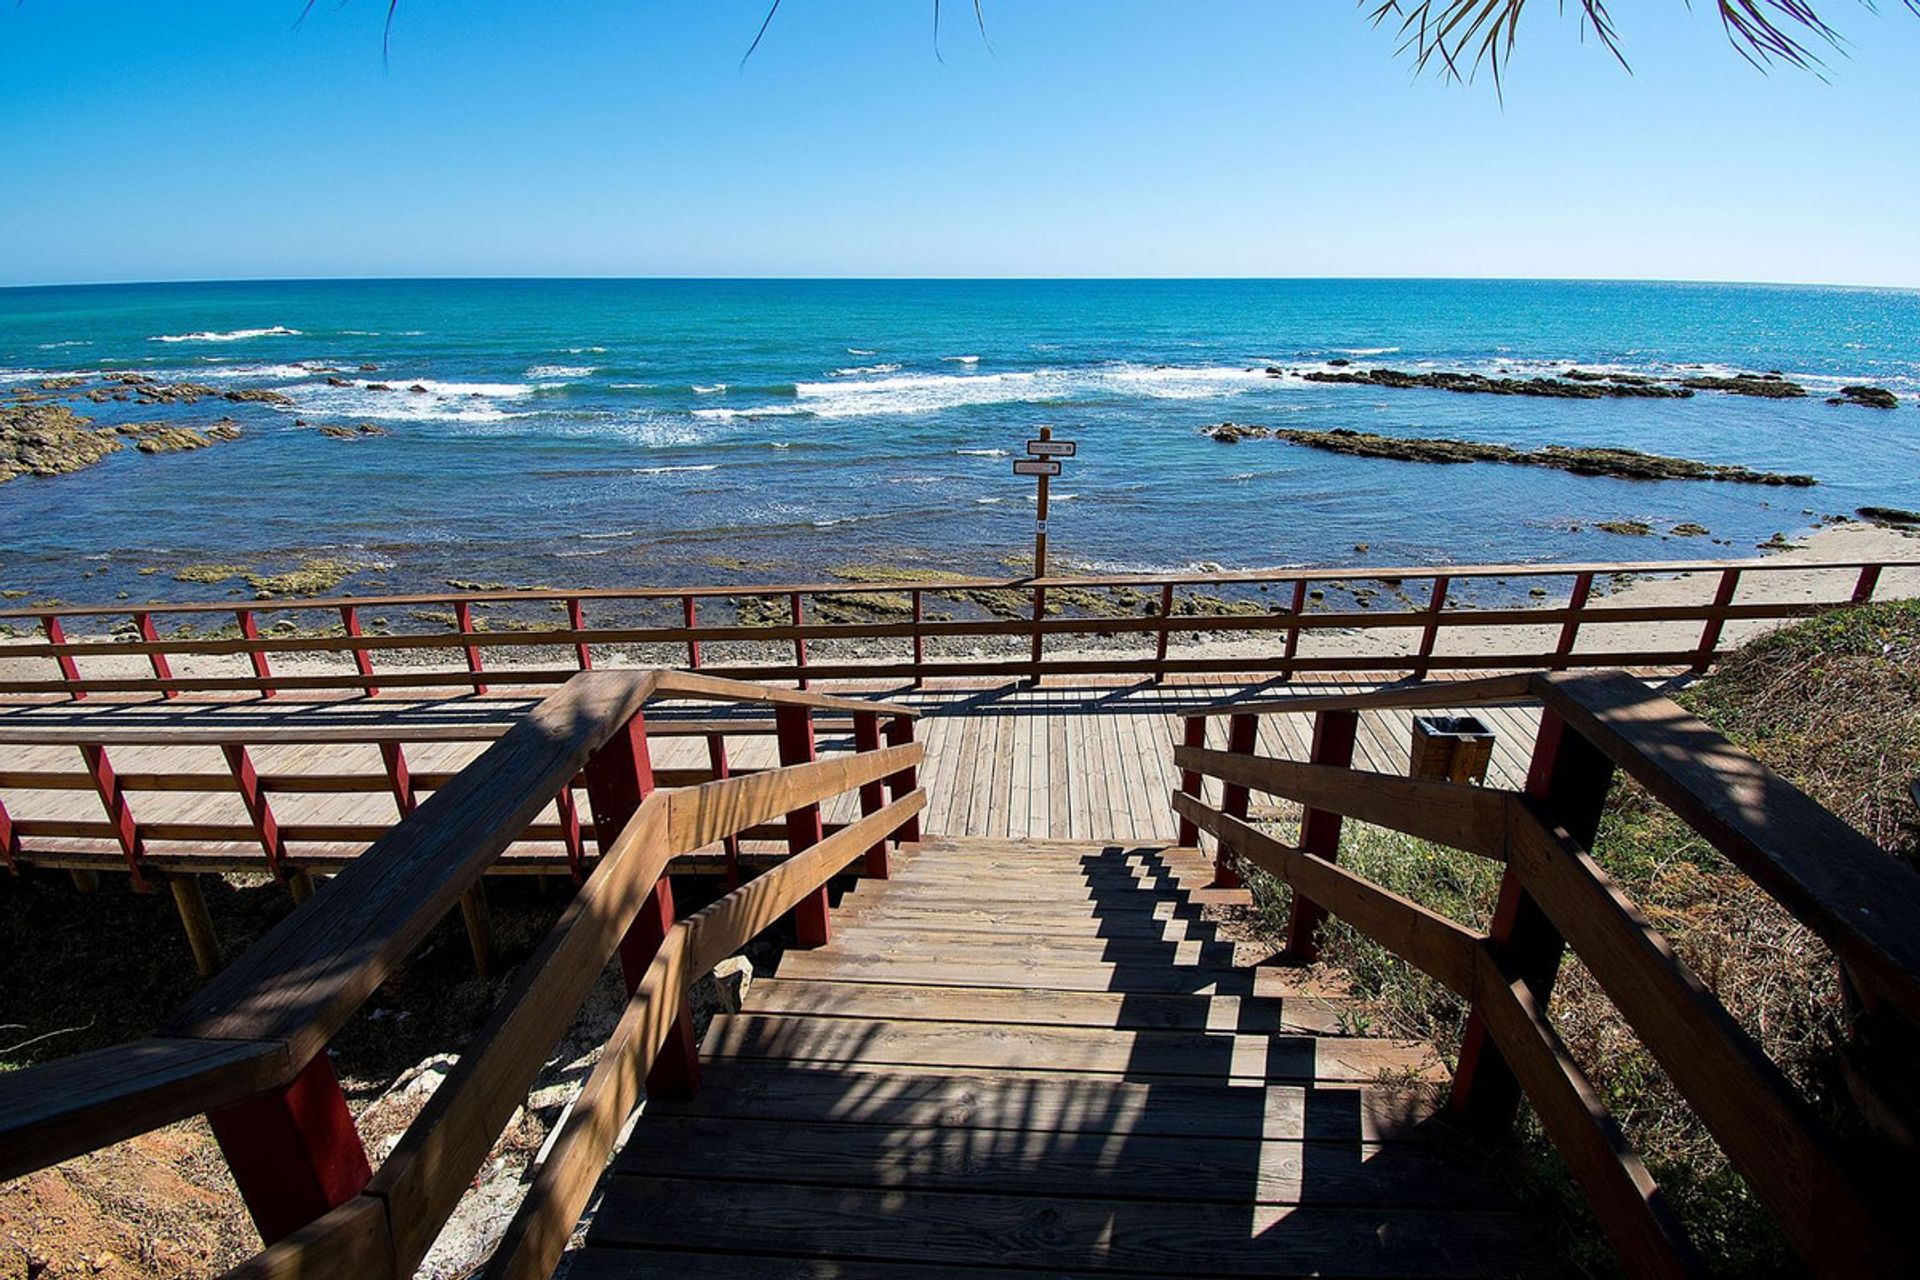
{"points": [[1870, 397]]}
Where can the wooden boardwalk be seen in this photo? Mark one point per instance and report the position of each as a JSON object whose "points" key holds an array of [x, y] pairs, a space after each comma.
{"points": [[1041, 1057]]}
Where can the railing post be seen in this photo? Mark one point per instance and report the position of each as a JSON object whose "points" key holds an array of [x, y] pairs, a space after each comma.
{"points": [[1570, 629], [1431, 633], [1569, 777], [1293, 628], [1243, 735], [254, 796], [1039, 616], [904, 781], [919, 643], [799, 639], [463, 614], [1195, 736], [1333, 738], [143, 623], [866, 737], [250, 632], [577, 622], [1160, 644], [69, 669], [293, 1150], [9, 841], [1710, 634], [723, 768], [569, 812], [619, 777], [690, 614], [1864, 585], [362, 660], [793, 726], [119, 812]]}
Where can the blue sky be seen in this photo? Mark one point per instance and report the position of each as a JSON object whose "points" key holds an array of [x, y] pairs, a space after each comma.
{"points": [[1232, 137]]}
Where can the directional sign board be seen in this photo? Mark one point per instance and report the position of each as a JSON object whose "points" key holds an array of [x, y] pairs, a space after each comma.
{"points": [[1035, 467], [1051, 448]]}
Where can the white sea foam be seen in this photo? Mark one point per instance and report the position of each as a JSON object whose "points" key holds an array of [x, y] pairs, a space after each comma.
{"points": [[961, 359], [930, 393], [234, 335], [615, 533], [586, 351], [715, 389], [861, 351], [779, 444], [548, 372], [1366, 351], [763, 411], [438, 401], [73, 342], [28, 375], [864, 369], [982, 453], [631, 386], [989, 502], [661, 471], [580, 555]]}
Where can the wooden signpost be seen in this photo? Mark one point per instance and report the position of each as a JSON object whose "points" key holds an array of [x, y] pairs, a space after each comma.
{"points": [[1043, 463]]}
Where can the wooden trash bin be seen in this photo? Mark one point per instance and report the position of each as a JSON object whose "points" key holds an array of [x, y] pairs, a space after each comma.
{"points": [[1451, 748]]}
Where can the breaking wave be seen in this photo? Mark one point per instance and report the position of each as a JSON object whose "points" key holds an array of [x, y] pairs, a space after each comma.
{"points": [[232, 335]]}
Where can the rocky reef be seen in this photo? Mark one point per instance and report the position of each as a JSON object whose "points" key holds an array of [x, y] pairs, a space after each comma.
{"points": [[1870, 397], [49, 440], [1586, 387], [1629, 464]]}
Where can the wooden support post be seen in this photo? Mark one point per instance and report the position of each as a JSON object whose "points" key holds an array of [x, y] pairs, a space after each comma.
{"points": [[799, 639], [793, 726], [1195, 735], [919, 642], [722, 768], [190, 899], [463, 614], [866, 737], [1333, 738], [619, 778], [1160, 642], [9, 841], [69, 669], [162, 669], [479, 922], [1431, 632], [119, 812], [293, 1151], [577, 622], [1710, 634], [1570, 629], [1039, 616], [85, 881], [1293, 630], [362, 660], [1863, 586], [690, 614], [1569, 777], [300, 886], [1243, 737], [250, 632], [569, 811], [254, 796], [398, 776], [904, 781]]}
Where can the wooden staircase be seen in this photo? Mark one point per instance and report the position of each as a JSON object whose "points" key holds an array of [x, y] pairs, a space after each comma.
{"points": [[1048, 1057]]}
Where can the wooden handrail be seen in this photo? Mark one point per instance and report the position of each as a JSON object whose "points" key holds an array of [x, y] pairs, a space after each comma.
{"points": [[1862, 901]]}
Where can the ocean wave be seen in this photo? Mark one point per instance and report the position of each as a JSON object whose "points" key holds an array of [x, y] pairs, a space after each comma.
{"points": [[630, 386], [989, 502], [982, 453], [548, 372], [864, 369], [932, 392], [586, 351], [961, 359], [581, 555], [1366, 351], [661, 471], [714, 389], [762, 411], [442, 401], [861, 351], [615, 533], [72, 342], [232, 335]]}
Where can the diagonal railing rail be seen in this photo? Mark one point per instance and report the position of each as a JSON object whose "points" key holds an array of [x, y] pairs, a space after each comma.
{"points": [[1833, 1211], [249, 1049]]}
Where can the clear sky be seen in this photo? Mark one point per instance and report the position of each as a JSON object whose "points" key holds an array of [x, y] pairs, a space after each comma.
{"points": [[151, 141]]}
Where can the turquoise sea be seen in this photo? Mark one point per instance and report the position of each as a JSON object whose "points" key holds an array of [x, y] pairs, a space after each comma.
{"points": [[632, 432]]}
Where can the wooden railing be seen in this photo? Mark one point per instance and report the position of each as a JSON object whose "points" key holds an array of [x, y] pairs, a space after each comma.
{"points": [[249, 1049], [1862, 902], [1005, 611]]}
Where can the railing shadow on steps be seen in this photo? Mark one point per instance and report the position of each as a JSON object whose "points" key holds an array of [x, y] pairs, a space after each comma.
{"points": [[1837, 1215], [249, 1049]]}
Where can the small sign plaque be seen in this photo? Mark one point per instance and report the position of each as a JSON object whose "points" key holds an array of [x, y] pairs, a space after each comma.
{"points": [[1040, 526], [1035, 467], [1052, 448]]}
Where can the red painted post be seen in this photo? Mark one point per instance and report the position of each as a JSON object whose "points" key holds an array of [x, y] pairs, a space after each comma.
{"points": [[866, 737], [1160, 645], [1243, 736], [398, 775], [1570, 629], [569, 813], [1333, 737], [904, 781], [1864, 585], [793, 727], [577, 622], [69, 669], [1293, 629], [919, 643], [799, 640], [362, 660], [254, 796], [250, 632], [463, 614], [1569, 778], [119, 812], [730, 845], [691, 615], [9, 841], [143, 623], [619, 778], [294, 1152], [1431, 633], [1710, 634], [1196, 736]]}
